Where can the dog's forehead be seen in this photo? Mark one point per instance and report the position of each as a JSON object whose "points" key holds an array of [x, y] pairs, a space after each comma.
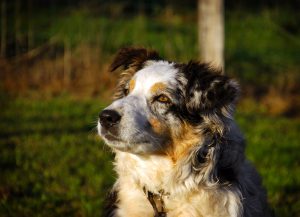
{"points": [[155, 72]]}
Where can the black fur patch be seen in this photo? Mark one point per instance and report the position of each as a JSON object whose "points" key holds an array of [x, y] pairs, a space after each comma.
{"points": [[110, 204], [202, 154], [230, 158], [133, 57], [227, 167], [206, 89]]}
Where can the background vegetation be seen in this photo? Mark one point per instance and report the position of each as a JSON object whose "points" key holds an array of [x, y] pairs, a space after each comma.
{"points": [[54, 82]]}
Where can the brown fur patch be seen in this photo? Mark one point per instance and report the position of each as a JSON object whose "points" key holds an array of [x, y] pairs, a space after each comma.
{"points": [[157, 126], [158, 87], [131, 84], [133, 57], [183, 141]]}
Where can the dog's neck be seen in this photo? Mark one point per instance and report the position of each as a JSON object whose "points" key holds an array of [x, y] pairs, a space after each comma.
{"points": [[152, 172], [156, 173]]}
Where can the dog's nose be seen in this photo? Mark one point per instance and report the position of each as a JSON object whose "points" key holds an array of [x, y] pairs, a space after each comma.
{"points": [[108, 118]]}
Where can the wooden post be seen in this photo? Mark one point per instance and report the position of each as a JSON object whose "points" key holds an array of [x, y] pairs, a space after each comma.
{"points": [[211, 31]]}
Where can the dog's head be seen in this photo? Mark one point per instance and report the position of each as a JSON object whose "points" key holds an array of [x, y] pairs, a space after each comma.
{"points": [[163, 107]]}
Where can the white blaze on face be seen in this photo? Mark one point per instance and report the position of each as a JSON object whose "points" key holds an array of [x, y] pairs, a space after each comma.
{"points": [[154, 72]]}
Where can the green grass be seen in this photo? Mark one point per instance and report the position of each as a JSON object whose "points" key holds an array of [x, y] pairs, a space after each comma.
{"points": [[53, 164], [259, 48]]}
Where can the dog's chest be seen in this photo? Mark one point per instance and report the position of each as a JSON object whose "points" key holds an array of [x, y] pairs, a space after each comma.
{"points": [[156, 173], [150, 172]]}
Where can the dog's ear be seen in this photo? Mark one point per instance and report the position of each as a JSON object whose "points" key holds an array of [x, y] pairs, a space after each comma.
{"points": [[133, 57], [207, 89]]}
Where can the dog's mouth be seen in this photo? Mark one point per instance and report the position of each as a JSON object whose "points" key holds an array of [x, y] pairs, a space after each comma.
{"points": [[109, 136], [118, 143], [116, 139]]}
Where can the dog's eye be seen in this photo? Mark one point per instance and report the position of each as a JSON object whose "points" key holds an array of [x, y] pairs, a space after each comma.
{"points": [[163, 99]]}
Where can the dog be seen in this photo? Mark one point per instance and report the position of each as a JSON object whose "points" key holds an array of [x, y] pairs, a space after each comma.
{"points": [[178, 151]]}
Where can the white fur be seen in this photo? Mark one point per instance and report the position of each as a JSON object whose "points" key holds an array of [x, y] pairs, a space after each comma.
{"points": [[154, 72], [183, 198]]}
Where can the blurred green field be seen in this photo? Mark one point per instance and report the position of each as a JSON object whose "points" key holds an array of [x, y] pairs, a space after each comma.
{"points": [[261, 47], [53, 164]]}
